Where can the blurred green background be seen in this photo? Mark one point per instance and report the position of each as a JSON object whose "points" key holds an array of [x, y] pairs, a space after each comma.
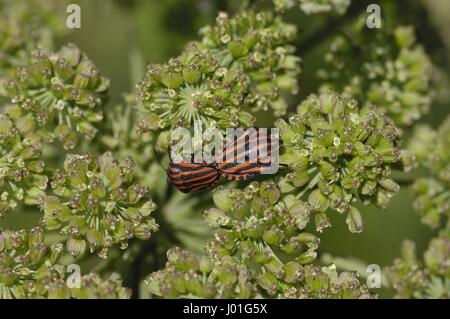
{"points": [[122, 36]]}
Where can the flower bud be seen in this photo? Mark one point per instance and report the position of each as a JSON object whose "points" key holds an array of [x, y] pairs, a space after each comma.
{"points": [[268, 282], [293, 272], [216, 218], [318, 201], [75, 247], [354, 220]]}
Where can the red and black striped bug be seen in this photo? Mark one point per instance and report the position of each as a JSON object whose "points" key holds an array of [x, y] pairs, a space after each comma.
{"points": [[247, 155], [190, 177], [244, 157]]}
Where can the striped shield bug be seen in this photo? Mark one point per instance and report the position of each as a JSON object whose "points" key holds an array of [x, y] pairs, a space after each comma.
{"points": [[190, 177], [247, 154]]}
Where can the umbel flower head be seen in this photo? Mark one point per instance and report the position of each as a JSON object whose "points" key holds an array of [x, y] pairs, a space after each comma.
{"points": [[426, 278], [97, 204], [256, 214], [260, 45], [64, 92], [24, 257], [192, 87], [432, 193], [22, 177], [338, 153], [29, 269], [259, 249], [386, 68], [314, 6], [186, 276]]}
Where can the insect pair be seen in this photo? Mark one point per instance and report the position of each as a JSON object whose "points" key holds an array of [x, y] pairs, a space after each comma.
{"points": [[244, 157]]}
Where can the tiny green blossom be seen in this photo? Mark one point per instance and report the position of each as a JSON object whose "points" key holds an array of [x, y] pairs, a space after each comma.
{"points": [[22, 176], [97, 204], [63, 91], [386, 68], [260, 45], [338, 153]]}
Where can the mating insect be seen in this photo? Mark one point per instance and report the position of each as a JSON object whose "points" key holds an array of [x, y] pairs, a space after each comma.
{"points": [[190, 177], [244, 157]]}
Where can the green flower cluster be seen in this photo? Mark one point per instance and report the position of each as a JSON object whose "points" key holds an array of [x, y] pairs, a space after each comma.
{"points": [[63, 91], [192, 87], [29, 269], [22, 177], [25, 25], [338, 153], [186, 276], [121, 136], [249, 221], [430, 278], [97, 203], [314, 6], [259, 250], [432, 194], [24, 257], [260, 45], [385, 67], [432, 200]]}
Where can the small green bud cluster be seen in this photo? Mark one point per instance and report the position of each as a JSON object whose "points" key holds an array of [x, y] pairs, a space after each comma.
{"points": [[22, 177], [430, 278], [192, 87], [25, 258], [258, 44], [314, 6], [186, 276], [256, 214], [63, 91], [338, 153], [432, 193], [386, 68], [29, 269], [97, 203]]}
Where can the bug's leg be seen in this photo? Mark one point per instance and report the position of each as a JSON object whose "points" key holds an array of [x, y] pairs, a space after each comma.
{"points": [[238, 177]]}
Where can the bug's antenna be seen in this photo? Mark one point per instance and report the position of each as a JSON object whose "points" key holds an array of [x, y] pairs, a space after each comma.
{"points": [[158, 157]]}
